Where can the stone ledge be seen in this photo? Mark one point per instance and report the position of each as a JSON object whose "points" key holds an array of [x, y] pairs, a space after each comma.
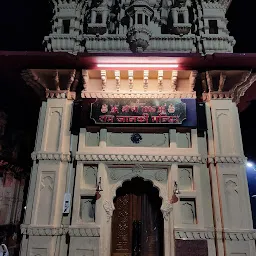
{"points": [[59, 231], [41, 155], [231, 235]]}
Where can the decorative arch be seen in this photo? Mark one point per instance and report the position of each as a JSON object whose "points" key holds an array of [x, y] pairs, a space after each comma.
{"points": [[138, 172], [138, 222], [166, 207]]}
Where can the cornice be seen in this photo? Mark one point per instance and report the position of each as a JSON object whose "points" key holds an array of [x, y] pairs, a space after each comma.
{"points": [[59, 231], [152, 95], [202, 234], [139, 158], [42, 155]]}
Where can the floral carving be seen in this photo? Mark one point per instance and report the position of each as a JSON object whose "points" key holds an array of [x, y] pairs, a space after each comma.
{"points": [[161, 175], [108, 206], [166, 209]]}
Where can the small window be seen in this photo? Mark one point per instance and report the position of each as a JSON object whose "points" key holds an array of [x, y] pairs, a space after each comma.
{"points": [[98, 18], [139, 18], [146, 20], [213, 27], [180, 18], [65, 26]]}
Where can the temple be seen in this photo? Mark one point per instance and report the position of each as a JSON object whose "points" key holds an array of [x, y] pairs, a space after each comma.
{"points": [[138, 148]]}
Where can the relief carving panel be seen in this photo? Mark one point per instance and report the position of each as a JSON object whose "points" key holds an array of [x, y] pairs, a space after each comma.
{"points": [[45, 198], [89, 176], [224, 129], [188, 211], [53, 129], [233, 201], [186, 178]]}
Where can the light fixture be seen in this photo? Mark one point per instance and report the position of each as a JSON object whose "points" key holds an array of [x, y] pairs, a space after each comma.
{"points": [[99, 188], [176, 190], [249, 164], [116, 65]]}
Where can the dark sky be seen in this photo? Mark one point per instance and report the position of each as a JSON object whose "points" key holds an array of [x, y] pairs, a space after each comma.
{"points": [[24, 23]]}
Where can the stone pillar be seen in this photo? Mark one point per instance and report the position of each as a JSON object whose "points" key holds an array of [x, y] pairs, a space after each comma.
{"points": [[42, 229], [229, 183], [186, 16], [103, 138]]}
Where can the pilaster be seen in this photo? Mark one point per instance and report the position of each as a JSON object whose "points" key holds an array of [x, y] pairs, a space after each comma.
{"points": [[228, 178], [48, 182]]}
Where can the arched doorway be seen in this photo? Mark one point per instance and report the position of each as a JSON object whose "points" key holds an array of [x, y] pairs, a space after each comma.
{"points": [[137, 223]]}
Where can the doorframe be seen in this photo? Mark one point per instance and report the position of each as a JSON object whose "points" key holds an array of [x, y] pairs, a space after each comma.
{"points": [[161, 179]]}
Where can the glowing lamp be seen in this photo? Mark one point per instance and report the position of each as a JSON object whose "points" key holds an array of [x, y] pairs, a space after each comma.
{"points": [[137, 66], [249, 164]]}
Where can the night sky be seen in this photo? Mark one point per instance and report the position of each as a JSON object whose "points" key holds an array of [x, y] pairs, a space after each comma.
{"points": [[23, 25]]}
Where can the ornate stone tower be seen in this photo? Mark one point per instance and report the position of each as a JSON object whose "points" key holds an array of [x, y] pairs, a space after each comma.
{"points": [[140, 25], [67, 26]]}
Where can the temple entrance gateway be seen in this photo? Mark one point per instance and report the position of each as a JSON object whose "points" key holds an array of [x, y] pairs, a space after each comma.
{"points": [[137, 224]]}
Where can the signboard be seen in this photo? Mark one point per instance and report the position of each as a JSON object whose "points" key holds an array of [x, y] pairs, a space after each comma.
{"points": [[141, 111]]}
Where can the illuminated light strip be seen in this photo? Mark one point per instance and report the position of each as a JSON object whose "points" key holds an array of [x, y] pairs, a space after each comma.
{"points": [[137, 65]]}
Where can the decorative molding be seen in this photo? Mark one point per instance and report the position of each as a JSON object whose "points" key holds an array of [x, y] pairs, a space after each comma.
{"points": [[241, 89], [108, 206], [153, 95], [40, 155], [139, 158], [195, 234], [167, 159], [216, 95], [84, 231], [227, 159], [208, 234], [60, 94], [60, 231]]}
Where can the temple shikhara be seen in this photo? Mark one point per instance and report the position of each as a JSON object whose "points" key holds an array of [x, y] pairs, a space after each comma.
{"points": [[138, 149]]}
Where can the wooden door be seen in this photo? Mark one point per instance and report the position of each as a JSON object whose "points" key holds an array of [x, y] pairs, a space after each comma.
{"points": [[137, 223]]}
